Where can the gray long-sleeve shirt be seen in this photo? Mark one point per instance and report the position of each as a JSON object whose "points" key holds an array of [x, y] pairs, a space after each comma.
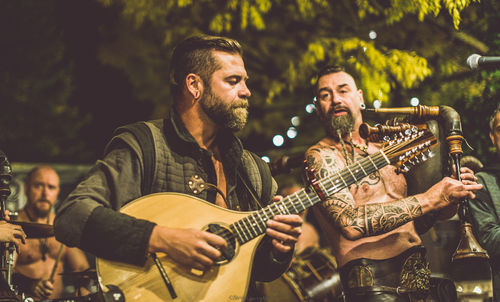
{"points": [[89, 217]]}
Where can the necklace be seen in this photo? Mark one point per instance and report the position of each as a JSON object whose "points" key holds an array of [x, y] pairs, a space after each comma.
{"points": [[42, 242], [360, 147], [353, 144]]}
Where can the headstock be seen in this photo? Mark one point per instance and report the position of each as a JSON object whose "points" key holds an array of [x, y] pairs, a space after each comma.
{"points": [[409, 147]]}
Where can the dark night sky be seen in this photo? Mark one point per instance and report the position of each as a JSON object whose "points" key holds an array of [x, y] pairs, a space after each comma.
{"points": [[101, 90]]}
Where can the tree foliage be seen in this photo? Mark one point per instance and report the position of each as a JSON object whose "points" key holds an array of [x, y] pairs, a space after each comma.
{"points": [[419, 50]]}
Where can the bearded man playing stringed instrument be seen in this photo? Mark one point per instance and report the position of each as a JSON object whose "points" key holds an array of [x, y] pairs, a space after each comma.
{"points": [[193, 151], [41, 260], [370, 224]]}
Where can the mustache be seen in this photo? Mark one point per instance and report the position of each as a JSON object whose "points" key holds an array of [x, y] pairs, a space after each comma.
{"points": [[241, 103], [332, 110]]}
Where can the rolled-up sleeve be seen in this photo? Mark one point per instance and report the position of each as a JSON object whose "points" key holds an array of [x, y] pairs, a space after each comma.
{"points": [[89, 217]]}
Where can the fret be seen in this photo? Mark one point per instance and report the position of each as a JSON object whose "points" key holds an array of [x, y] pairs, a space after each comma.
{"points": [[370, 158], [309, 198], [332, 186], [247, 232], [248, 222], [322, 186], [380, 162], [351, 174], [262, 220], [340, 176], [272, 211], [301, 203], [271, 214], [246, 238], [239, 232], [278, 208], [361, 167], [256, 223], [284, 208], [235, 231], [383, 154], [293, 203]]}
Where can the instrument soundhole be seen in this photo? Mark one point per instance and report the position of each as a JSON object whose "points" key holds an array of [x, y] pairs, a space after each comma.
{"points": [[226, 233]]}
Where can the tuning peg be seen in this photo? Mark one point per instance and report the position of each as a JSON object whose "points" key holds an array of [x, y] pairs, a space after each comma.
{"points": [[404, 168], [430, 154], [423, 157]]}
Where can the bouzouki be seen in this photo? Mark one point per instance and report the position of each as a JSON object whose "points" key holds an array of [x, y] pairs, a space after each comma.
{"points": [[228, 280]]}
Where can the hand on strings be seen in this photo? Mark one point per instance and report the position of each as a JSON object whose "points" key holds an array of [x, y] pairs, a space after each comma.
{"points": [[43, 289], [284, 230], [193, 248], [12, 233]]}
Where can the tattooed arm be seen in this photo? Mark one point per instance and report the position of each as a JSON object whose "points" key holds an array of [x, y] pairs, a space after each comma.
{"points": [[377, 218], [370, 219]]}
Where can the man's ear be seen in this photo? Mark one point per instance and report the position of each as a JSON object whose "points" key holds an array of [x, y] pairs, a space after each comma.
{"points": [[361, 99], [492, 138], [194, 85]]}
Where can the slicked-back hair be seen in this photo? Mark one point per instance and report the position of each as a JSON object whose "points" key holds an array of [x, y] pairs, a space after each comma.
{"points": [[328, 69], [492, 118], [195, 55]]}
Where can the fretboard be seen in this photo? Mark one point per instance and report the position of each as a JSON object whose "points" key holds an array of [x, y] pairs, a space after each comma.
{"points": [[255, 224]]}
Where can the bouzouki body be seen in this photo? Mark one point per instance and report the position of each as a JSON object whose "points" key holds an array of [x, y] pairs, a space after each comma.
{"points": [[223, 282]]}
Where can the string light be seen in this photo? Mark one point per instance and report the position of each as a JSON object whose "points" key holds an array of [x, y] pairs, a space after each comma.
{"points": [[278, 140], [292, 132], [414, 101], [295, 121]]}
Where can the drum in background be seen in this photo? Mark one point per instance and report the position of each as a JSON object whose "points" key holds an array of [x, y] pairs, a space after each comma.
{"points": [[313, 276]]}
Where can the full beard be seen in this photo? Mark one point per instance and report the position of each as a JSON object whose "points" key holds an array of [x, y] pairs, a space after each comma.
{"points": [[40, 212], [231, 116], [343, 124]]}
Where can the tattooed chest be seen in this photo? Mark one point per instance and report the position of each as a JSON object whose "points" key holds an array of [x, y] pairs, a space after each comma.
{"points": [[379, 186]]}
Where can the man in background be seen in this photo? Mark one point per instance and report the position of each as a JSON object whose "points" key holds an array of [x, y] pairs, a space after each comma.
{"points": [[485, 209], [41, 260]]}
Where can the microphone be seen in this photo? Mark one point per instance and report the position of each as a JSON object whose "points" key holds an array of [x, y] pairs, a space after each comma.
{"points": [[475, 61]]}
